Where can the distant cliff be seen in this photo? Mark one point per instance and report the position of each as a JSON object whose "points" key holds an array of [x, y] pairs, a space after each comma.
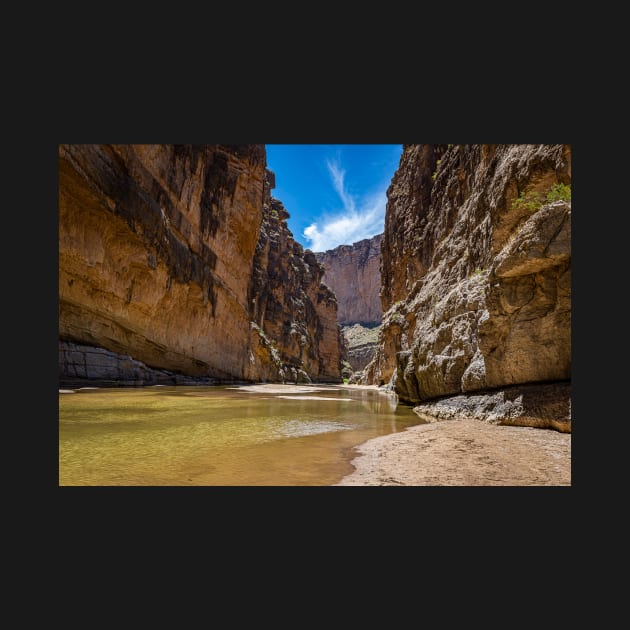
{"points": [[157, 249], [476, 283], [353, 273]]}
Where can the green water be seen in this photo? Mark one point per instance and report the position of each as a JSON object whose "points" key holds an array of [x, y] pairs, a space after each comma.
{"points": [[219, 436]]}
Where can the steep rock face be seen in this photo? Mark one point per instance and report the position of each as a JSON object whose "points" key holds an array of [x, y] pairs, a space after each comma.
{"points": [[294, 333], [156, 244], [156, 252], [476, 274], [353, 273]]}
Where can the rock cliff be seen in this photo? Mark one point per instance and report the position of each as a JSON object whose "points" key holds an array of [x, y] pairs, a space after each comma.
{"points": [[353, 273], [295, 335], [156, 265], [361, 342], [476, 275]]}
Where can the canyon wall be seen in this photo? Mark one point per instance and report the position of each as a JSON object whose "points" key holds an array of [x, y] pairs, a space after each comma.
{"points": [[156, 265], [353, 273], [295, 334], [476, 283]]}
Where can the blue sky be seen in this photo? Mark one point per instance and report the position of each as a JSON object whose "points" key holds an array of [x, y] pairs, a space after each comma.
{"points": [[335, 193]]}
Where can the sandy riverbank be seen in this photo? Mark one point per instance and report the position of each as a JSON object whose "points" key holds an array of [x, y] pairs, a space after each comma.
{"points": [[464, 453]]}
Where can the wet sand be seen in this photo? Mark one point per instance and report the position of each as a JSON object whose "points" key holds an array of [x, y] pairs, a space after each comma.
{"points": [[455, 453], [464, 453], [450, 452]]}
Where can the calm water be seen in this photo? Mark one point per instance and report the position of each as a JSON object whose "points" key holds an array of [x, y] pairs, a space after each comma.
{"points": [[210, 436]]}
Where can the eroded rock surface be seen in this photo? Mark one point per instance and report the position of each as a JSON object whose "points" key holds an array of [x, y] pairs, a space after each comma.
{"points": [[353, 273], [156, 262], [361, 342], [294, 333], [476, 273]]}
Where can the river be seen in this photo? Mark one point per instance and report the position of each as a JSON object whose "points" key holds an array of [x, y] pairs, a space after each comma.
{"points": [[250, 435]]}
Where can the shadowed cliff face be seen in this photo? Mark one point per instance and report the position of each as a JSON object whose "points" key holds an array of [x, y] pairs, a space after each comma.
{"points": [[476, 276], [156, 253], [295, 335]]}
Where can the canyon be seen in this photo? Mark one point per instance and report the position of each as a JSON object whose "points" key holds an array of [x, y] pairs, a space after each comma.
{"points": [[176, 265]]}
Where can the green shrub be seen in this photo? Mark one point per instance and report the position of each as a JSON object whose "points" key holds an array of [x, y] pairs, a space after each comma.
{"points": [[533, 201], [559, 192], [528, 201], [435, 171]]}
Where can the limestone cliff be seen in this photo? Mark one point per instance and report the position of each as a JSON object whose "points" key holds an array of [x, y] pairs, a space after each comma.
{"points": [[295, 335], [353, 273], [156, 263], [476, 278]]}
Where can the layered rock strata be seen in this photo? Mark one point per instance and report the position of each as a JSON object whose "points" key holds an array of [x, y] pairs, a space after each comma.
{"points": [[476, 277], [361, 342], [156, 261], [294, 334], [81, 365], [353, 273]]}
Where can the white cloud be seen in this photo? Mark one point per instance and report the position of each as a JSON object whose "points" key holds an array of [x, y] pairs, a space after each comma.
{"points": [[359, 219], [338, 175]]}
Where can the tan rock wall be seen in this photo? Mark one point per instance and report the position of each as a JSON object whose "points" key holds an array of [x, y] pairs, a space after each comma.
{"points": [[353, 273], [476, 285], [167, 267], [156, 244]]}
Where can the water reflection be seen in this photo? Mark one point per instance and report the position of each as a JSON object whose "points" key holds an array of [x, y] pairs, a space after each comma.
{"points": [[254, 435]]}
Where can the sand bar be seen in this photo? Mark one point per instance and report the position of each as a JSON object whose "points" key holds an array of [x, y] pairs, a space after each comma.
{"points": [[464, 453]]}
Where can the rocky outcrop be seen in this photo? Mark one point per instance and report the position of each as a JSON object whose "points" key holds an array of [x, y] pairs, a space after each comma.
{"points": [[546, 405], [360, 356], [476, 276], [353, 273], [361, 343], [156, 263], [294, 334], [81, 364]]}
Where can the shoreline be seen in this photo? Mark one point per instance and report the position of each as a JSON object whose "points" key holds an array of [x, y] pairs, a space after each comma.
{"points": [[456, 451], [463, 452]]}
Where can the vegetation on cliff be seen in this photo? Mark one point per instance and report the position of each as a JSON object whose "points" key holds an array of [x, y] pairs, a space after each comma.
{"points": [[476, 276]]}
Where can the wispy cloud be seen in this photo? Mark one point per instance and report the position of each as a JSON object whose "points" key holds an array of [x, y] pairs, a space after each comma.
{"points": [[360, 218]]}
